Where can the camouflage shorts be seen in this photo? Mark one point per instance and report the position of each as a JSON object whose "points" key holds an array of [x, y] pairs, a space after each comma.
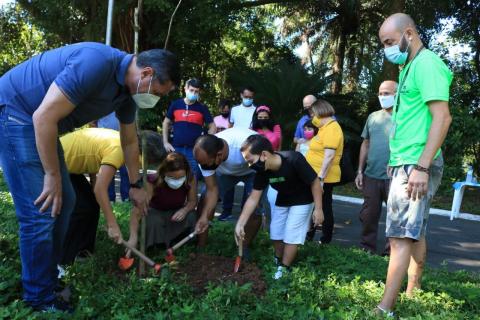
{"points": [[407, 218]]}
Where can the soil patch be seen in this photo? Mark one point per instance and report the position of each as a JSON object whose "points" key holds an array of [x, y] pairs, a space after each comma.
{"points": [[215, 269]]}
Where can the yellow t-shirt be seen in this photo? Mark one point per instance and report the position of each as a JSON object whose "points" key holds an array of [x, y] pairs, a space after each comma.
{"points": [[87, 149], [329, 136]]}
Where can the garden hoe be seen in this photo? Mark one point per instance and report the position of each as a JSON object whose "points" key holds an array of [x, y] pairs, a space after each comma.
{"points": [[170, 257], [238, 260], [125, 263]]}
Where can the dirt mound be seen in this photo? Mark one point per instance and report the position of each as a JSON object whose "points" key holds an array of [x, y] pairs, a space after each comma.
{"points": [[204, 269]]}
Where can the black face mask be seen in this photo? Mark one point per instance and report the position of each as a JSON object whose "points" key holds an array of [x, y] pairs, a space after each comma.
{"points": [[209, 167], [258, 166], [306, 112], [264, 123], [225, 114]]}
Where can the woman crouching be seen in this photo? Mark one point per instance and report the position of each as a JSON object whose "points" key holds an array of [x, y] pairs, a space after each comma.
{"points": [[172, 204]]}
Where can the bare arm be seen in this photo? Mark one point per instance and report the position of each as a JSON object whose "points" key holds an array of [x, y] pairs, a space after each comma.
{"points": [[104, 177], [54, 107], [210, 201], [362, 159], [131, 153], [317, 192], [165, 132], [212, 128], [135, 217], [441, 119], [327, 162]]}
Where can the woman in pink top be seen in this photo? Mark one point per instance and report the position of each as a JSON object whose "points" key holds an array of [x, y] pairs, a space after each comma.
{"points": [[263, 123]]}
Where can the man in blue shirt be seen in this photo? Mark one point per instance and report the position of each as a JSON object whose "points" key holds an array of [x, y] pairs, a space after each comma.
{"points": [[53, 93], [189, 117], [307, 104]]}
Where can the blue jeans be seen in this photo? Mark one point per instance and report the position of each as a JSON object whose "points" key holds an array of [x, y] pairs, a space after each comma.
{"points": [[227, 183], [124, 185], [188, 153], [41, 236]]}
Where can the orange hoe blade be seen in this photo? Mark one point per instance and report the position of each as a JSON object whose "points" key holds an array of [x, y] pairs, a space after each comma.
{"points": [[169, 256], [125, 263], [156, 266], [238, 259]]}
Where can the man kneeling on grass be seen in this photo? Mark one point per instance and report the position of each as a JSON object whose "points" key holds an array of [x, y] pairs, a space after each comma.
{"points": [[298, 189]]}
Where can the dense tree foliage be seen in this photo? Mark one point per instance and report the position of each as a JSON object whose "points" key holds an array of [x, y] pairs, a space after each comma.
{"points": [[284, 48]]}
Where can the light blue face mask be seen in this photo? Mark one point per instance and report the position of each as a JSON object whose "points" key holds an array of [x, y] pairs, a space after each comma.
{"points": [[394, 55], [192, 96], [247, 102], [145, 100]]}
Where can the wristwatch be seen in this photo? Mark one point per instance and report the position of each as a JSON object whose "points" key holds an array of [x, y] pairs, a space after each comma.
{"points": [[138, 184], [321, 179]]}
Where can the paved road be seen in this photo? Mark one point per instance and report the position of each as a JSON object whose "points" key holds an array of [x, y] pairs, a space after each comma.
{"points": [[454, 243]]}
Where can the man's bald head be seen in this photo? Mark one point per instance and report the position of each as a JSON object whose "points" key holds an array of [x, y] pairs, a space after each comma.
{"points": [[395, 26], [401, 21], [308, 101], [388, 88]]}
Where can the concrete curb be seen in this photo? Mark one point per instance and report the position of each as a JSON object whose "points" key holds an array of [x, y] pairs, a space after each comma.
{"points": [[434, 211]]}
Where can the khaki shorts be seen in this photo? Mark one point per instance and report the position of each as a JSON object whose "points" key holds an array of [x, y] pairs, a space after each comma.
{"points": [[407, 218]]}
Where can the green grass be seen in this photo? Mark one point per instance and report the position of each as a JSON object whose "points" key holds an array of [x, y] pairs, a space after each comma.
{"points": [[327, 283], [442, 200]]}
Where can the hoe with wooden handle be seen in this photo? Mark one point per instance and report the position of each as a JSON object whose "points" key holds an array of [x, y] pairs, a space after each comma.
{"points": [[125, 263], [170, 257]]}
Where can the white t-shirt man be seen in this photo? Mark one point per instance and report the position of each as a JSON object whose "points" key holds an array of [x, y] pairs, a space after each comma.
{"points": [[235, 165], [241, 116]]}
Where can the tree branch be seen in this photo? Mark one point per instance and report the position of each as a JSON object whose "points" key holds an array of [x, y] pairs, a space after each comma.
{"points": [[257, 3]]}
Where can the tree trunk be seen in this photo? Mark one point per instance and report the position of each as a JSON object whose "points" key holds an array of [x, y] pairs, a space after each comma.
{"points": [[338, 58], [390, 70]]}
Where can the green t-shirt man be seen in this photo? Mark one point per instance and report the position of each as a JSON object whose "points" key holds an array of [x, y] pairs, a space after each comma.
{"points": [[427, 79]]}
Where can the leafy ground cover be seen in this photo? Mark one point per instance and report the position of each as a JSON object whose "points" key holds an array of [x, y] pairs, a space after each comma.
{"points": [[328, 282]]}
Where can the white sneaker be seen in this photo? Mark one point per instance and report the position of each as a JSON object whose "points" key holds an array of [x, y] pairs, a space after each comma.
{"points": [[279, 273]]}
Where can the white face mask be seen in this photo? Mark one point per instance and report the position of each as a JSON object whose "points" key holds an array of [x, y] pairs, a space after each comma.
{"points": [[175, 183], [145, 100], [386, 101]]}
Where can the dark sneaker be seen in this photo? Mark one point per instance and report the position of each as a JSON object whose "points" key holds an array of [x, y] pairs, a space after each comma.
{"points": [[225, 216], [55, 306], [276, 260]]}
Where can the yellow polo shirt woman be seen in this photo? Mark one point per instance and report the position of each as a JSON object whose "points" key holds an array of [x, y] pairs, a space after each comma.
{"points": [[329, 136], [324, 155]]}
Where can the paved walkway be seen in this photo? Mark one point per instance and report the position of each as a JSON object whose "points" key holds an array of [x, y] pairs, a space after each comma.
{"points": [[454, 243]]}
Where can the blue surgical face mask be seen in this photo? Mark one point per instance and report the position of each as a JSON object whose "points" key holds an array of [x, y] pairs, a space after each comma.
{"points": [[145, 100], [191, 96], [386, 101], [247, 102], [395, 55]]}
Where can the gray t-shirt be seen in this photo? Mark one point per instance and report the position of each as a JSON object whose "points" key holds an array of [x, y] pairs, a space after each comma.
{"points": [[377, 131], [234, 165]]}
